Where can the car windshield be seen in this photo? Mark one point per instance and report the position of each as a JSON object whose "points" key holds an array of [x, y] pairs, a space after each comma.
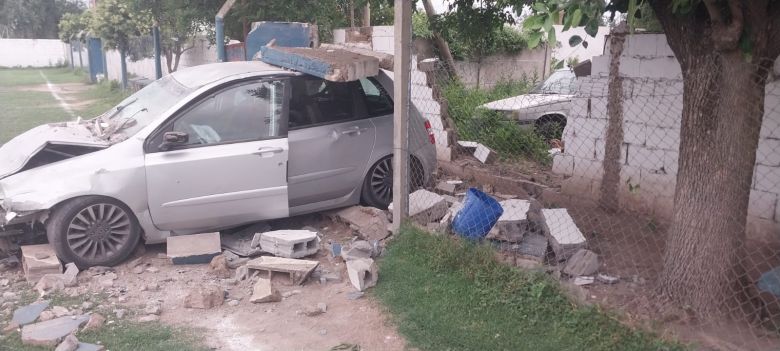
{"points": [[560, 82], [137, 111]]}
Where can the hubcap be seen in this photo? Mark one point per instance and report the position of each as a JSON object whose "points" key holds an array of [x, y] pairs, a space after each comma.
{"points": [[382, 181], [99, 231]]}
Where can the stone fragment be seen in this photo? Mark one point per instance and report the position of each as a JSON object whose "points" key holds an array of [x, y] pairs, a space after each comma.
{"points": [[532, 247], [362, 273], [60, 311], [485, 154], [579, 281], [218, 266], [50, 283], [51, 332], [193, 249], [513, 223], [263, 292], [139, 269], [28, 314], [149, 318], [96, 321], [246, 242], [39, 260], [290, 243], [359, 249], [46, 315], [152, 269], [583, 262], [70, 277], [205, 297], [153, 307], [242, 273], [70, 343], [371, 223], [233, 303], [607, 279], [564, 235], [234, 261]]}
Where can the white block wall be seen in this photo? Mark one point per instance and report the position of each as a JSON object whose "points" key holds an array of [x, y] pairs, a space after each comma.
{"points": [[652, 111], [202, 53], [33, 53]]}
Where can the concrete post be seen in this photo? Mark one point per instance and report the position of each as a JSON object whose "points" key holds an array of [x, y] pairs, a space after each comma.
{"points": [[402, 101], [220, 30], [157, 53]]}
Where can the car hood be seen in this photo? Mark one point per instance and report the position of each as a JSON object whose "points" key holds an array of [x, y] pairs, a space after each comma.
{"points": [[15, 154], [517, 103]]}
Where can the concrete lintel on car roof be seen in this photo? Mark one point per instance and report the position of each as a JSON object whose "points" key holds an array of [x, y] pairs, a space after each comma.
{"points": [[333, 64]]}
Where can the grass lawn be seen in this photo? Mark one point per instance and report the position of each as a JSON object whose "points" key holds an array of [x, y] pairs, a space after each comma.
{"points": [[450, 295], [26, 103]]}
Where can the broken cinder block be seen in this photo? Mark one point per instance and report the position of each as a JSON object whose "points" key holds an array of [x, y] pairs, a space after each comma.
{"points": [[263, 292], [371, 222], [290, 243], [39, 260], [194, 249], [362, 273], [298, 270], [513, 223], [484, 154], [565, 237], [426, 206], [583, 262]]}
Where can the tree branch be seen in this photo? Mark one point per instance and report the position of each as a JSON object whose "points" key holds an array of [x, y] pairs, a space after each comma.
{"points": [[716, 16], [725, 37]]}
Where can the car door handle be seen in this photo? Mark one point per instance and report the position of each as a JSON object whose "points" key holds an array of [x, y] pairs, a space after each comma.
{"points": [[353, 131], [266, 150]]}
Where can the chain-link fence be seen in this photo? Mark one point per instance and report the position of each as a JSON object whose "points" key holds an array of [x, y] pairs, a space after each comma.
{"points": [[598, 179]]}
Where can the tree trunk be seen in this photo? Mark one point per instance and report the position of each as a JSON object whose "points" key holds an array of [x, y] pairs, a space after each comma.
{"points": [[723, 107], [444, 48], [169, 60]]}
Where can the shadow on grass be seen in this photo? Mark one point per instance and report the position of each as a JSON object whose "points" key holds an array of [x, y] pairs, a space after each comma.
{"points": [[451, 295]]}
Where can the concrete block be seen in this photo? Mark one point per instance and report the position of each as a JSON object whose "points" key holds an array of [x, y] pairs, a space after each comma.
{"points": [[418, 77], [513, 223], [532, 247], [443, 153], [563, 164], [634, 133], [39, 260], [643, 157], [564, 236], [339, 36], [28, 314], [290, 243], [385, 60], [484, 154], [598, 107], [205, 297], [193, 249], [426, 206], [371, 222], [359, 250], [581, 147], [579, 107], [767, 179], [363, 273], [583, 262], [51, 332], [629, 67], [383, 44], [768, 153], [600, 65], [590, 128], [640, 45], [588, 168], [263, 292], [762, 204], [663, 138], [660, 67], [332, 64], [298, 270]]}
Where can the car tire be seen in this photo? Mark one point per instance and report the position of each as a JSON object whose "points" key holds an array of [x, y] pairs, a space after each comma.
{"points": [[93, 231], [377, 190]]}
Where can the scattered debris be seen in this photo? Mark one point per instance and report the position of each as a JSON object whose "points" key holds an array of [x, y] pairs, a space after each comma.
{"points": [[579, 281], [362, 273], [426, 206], [205, 297], [70, 277], [607, 279], [70, 343], [153, 307], [513, 223], [583, 262], [484, 154], [565, 237], [532, 247], [242, 273], [39, 260], [335, 249], [193, 249], [316, 311], [290, 243], [28, 314], [247, 241], [371, 222], [119, 313], [219, 266], [149, 318], [49, 333], [450, 187], [96, 321], [49, 283], [233, 260], [263, 292], [60, 311], [298, 270], [233, 303], [359, 249], [355, 295]]}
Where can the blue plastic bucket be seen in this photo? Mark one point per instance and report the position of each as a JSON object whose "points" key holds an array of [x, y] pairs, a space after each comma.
{"points": [[479, 214]]}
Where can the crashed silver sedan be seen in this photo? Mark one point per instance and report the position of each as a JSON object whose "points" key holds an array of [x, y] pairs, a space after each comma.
{"points": [[204, 149]]}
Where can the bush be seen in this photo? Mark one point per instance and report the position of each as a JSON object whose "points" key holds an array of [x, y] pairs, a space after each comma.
{"points": [[493, 128]]}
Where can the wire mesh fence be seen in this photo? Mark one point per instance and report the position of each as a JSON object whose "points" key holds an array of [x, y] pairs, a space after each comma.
{"points": [[640, 191]]}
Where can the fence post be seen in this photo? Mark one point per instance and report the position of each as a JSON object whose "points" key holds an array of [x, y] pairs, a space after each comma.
{"points": [[402, 99], [157, 52]]}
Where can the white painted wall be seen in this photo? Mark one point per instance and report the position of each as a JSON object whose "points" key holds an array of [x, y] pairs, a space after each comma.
{"points": [[652, 111], [32, 53], [563, 51], [202, 53]]}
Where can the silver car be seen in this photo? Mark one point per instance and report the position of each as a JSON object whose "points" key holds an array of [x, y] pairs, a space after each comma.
{"points": [[204, 149]]}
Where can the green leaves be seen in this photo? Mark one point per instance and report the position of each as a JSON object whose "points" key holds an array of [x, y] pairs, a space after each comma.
{"points": [[534, 22], [575, 40], [576, 17], [534, 39]]}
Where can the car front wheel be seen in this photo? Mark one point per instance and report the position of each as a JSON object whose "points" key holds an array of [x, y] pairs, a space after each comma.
{"points": [[378, 185], [93, 231]]}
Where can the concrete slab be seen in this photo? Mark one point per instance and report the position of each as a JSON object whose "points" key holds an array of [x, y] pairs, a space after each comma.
{"points": [[385, 59], [39, 260], [363, 273], [564, 235], [28, 314], [51, 332], [513, 223], [194, 249], [583, 262], [290, 243], [371, 222], [298, 270], [426, 206], [335, 65]]}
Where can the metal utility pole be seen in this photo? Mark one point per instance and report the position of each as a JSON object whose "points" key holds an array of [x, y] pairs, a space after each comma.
{"points": [[157, 51], [402, 101]]}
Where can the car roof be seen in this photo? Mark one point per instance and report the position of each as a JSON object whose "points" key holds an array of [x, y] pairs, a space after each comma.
{"points": [[198, 76]]}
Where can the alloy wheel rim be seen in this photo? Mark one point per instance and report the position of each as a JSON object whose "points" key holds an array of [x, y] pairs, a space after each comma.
{"points": [[382, 181], [99, 231]]}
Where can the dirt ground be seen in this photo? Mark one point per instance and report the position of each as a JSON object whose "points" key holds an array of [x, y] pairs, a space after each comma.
{"points": [[242, 325]]}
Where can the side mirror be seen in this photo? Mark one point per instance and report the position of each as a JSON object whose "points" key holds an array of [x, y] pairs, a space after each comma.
{"points": [[173, 139]]}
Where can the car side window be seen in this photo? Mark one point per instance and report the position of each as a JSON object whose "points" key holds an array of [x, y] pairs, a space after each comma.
{"points": [[378, 102], [318, 101], [248, 112]]}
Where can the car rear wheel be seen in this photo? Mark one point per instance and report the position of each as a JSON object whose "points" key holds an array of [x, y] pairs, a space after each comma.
{"points": [[93, 231], [378, 186]]}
